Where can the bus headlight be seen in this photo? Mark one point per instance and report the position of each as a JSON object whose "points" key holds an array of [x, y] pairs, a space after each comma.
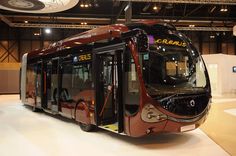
{"points": [[152, 114]]}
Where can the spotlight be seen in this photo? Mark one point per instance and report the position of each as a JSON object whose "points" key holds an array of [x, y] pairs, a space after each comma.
{"points": [[36, 34], [85, 4], [26, 22], [48, 31], [82, 5], [212, 36], [224, 8], [95, 4], [191, 25], [156, 8]]}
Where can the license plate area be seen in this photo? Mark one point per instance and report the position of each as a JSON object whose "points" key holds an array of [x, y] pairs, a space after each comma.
{"points": [[187, 128]]}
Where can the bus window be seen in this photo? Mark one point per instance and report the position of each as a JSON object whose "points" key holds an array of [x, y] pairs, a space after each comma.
{"points": [[66, 90], [81, 78], [132, 87], [54, 81], [38, 84], [30, 83]]}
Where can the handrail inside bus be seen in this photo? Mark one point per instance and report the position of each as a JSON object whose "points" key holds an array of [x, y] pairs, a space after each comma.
{"points": [[106, 100]]}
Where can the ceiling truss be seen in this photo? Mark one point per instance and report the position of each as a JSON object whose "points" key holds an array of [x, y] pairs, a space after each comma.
{"points": [[209, 25], [216, 2]]}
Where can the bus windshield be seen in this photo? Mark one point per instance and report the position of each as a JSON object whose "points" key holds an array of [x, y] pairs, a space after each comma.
{"points": [[172, 65]]}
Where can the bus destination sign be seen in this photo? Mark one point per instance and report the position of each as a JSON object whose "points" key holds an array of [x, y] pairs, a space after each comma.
{"points": [[82, 58]]}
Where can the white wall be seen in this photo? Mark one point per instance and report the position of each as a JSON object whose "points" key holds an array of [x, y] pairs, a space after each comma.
{"points": [[219, 67]]}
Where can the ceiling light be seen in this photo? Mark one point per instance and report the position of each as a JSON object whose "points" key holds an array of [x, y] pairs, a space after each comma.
{"points": [[82, 5], [85, 4], [156, 8], [38, 6], [224, 8], [36, 34], [191, 25], [212, 36], [47, 31], [26, 21], [95, 3]]}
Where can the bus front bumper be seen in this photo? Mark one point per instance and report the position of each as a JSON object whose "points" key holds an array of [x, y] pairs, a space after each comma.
{"points": [[138, 127]]}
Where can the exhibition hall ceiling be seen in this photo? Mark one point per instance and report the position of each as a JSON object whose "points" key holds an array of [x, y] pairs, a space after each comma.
{"points": [[87, 14], [37, 6]]}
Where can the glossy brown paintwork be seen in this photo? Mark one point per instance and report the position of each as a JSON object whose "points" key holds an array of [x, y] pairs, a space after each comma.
{"points": [[80, 108], [83, 111], [137, 127], [104, 32], [30, 88]]}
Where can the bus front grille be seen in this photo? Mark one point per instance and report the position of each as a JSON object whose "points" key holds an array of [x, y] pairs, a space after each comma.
{"points": [[190, 105]]}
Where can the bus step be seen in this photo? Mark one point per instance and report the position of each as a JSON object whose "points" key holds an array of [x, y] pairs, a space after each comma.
{"points": [[111, 127]]}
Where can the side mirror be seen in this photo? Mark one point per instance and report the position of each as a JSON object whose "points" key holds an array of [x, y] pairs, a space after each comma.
{"points": [[140, 37], [143, 45]]}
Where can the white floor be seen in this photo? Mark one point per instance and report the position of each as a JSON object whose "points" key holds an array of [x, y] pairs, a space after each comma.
{"points": [[231, 111], [26, 133], [223, 98]]}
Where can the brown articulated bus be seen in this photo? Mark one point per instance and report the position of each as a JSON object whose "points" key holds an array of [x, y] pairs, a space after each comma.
{"points": [[132, 79]]}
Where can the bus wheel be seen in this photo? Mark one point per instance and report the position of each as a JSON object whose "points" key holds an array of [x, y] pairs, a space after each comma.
{"points": [[87, 127], [35, 109]]}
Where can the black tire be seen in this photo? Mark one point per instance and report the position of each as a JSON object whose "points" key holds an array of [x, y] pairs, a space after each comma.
{"points": [[35, 109], [87, 127]]}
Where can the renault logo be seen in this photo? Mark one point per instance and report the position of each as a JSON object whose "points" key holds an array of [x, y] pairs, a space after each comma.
{"points": [[192, 103]]}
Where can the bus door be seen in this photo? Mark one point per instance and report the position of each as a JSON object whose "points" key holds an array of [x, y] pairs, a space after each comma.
{"points": [[52, 90], [39, 87], [108, 84]]}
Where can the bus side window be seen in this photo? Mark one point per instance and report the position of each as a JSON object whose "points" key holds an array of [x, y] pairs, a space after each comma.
{"points": [[66, 90], [82, 77], [30, 82]]}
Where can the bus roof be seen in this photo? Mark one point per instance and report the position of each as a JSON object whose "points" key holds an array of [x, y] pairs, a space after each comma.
{"points": [[90, 36]]}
